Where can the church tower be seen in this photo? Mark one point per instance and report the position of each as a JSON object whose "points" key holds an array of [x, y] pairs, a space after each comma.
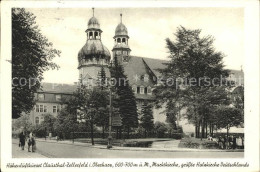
{"points": [[121, 48], [93, 57]]}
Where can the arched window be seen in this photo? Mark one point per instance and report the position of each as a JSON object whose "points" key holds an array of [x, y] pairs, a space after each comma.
{"points": [[37, 120], [96, 35], [123, 40], [90, 35], [118, 40]]}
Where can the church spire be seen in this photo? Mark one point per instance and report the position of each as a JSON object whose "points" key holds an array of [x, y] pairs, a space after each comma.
{"points": [[93, 11], [121, 17]]}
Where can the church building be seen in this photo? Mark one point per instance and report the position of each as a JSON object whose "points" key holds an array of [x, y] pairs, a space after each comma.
{"points": [[92, 57]]}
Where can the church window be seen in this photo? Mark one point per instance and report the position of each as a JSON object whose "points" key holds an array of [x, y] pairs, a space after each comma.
{"points": [[90, 35], [37, 120], [96, 35], [138, 90], [125, 52], [145, 90], [123, 40], [125, 59], [118, 40]]}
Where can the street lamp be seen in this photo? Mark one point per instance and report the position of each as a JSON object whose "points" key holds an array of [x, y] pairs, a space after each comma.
{"points": [[109, 144]]}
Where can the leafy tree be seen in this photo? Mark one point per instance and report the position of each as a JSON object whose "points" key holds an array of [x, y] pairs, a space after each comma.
{"points": [[195, 70], [229, 117], [147, 117], [23, 122], [102, 119], [238, 97], [66, 122], [32, 54], [126, 99], [89, 103], [47, 125]]}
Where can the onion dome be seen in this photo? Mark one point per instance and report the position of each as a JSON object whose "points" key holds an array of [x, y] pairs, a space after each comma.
{"points": [[121, 30], [93, 48], [93, 23]]}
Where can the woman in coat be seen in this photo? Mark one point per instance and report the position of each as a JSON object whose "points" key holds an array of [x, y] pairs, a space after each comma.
{"points": [[22, 140]]}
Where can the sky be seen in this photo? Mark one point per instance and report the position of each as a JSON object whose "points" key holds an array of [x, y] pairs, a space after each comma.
{"points": [[147, 28]]}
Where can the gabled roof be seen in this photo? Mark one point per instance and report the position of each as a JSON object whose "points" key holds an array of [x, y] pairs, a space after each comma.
{"points": [[155, 64], [58, 88], [139, 66]]}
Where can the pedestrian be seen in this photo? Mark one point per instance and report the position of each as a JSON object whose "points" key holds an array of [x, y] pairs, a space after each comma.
{"points": [[31, 142], [220, 142], [234, 142], [225, 144], [239, 142], [230, 141], [22, 140]]}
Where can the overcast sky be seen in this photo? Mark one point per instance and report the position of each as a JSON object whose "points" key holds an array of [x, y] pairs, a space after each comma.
{"points": [[147, 28]]}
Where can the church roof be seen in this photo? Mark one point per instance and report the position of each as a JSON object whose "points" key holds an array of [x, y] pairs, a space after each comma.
{"points": [[121, 30], [155, 64], [122, 45], [93, 47], [93, 23], [136, 67]]}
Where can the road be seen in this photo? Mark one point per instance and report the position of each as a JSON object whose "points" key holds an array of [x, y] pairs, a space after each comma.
{"points": [[57, 150]]}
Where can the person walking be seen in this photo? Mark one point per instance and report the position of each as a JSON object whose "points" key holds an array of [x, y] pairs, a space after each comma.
{"points": [[234, 143], [22, 140], [239, 142], [31, 142], [220, 142], [225, 143]]}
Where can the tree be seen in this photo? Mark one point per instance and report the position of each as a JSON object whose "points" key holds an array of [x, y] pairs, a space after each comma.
{"points": [[126, 99], [32, 54], [23, 123], [47, 125], [147, 117], [88, 103], [66, 122], [229, 117], [195, 69], [103, 115]]}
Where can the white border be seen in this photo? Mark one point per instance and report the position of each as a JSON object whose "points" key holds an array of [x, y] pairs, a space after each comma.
{"points": [[251, 69]]}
